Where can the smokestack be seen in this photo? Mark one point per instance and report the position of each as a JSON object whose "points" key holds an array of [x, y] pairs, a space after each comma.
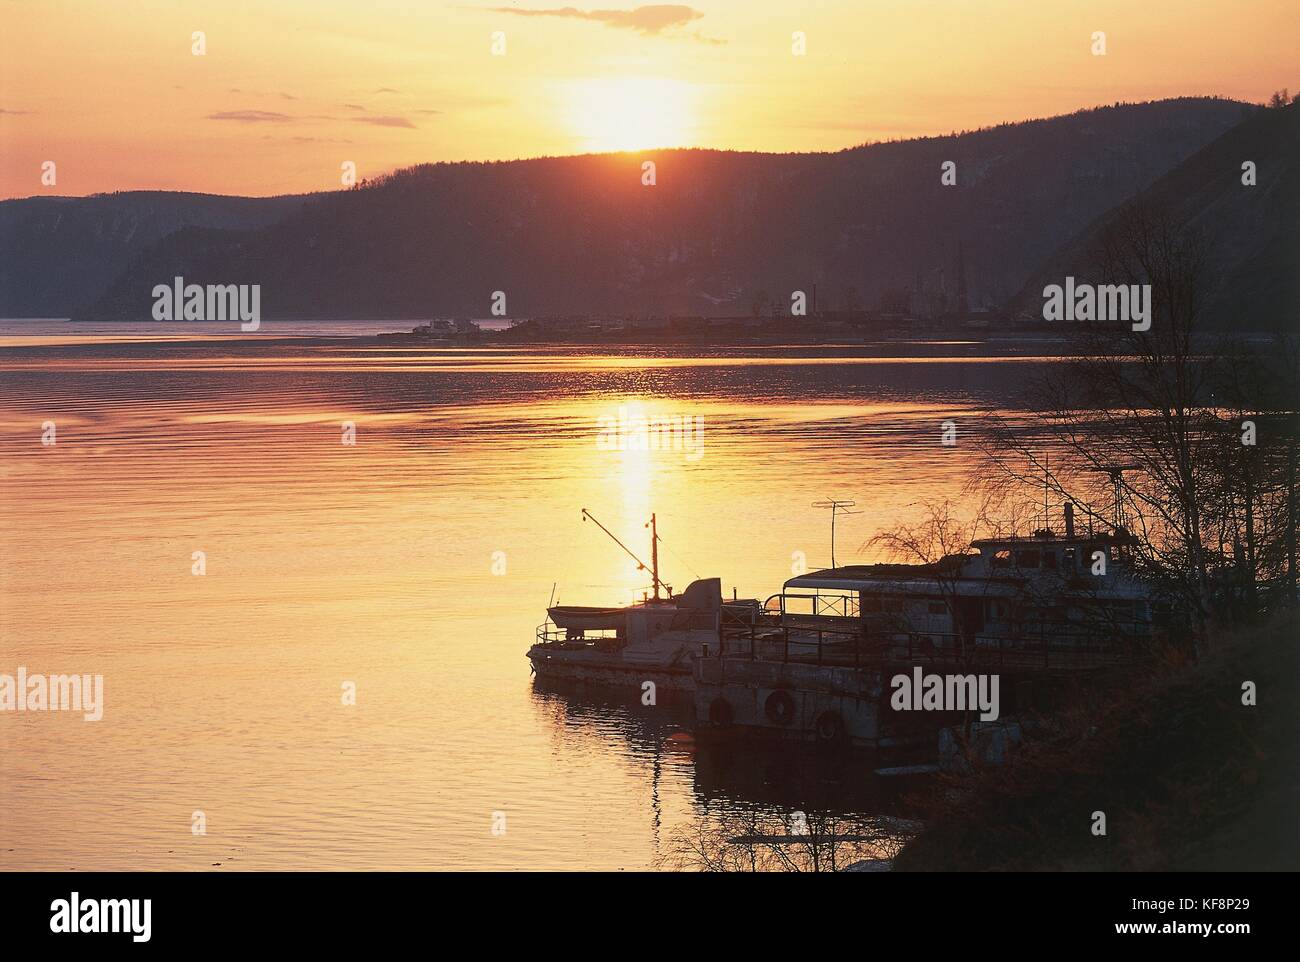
{"points": [[1069, 520]]}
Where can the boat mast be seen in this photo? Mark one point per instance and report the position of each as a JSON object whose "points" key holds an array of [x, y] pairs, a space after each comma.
{"points": [[641, 565], [654, 553]]}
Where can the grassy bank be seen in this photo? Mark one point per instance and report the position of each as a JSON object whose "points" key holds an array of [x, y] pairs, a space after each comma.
{"points": [[1188, 777]]}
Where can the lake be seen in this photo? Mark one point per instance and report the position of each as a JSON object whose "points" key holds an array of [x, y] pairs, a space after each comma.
{"points": [[414, 565]]}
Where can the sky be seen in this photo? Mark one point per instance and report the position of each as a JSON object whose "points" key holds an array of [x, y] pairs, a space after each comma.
{"points": [[284, 94]]}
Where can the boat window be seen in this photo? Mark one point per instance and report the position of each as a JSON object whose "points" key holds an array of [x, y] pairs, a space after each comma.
{"points": [[1067, 558], [1001, 559], [1049, 559], [1027, 559]]}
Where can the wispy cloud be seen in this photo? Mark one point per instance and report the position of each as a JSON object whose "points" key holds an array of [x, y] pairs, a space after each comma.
{"points": [[252, 116], [385, 121], [13, 112], [274, 117], [653, 20], [264, 93]]}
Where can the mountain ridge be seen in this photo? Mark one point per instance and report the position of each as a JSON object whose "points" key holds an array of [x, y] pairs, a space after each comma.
{"points": [[1252, 233], [720, 232]]}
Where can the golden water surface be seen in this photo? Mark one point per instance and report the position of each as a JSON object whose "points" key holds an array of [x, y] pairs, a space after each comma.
{"points": [[414, 564]]}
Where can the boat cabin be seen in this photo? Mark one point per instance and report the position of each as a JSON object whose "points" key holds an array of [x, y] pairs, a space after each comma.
{"points": [[1043, 587]]}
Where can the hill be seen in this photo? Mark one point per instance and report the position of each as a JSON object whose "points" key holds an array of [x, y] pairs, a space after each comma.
{"points": [[718, 233], [1252, 233], [59, 254]]}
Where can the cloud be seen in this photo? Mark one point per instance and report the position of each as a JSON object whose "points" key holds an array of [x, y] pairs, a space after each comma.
{"points": [[385, 121], [264, 93], [252, 116], [14, 113], [275, 117], [386, 90], [652, 20]]}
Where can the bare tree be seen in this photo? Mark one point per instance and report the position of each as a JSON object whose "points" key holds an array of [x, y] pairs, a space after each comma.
{"points": [[1158, 414]]}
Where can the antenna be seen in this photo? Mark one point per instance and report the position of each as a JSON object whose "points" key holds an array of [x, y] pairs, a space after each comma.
{"points": [[837, 507], [641, 565]]}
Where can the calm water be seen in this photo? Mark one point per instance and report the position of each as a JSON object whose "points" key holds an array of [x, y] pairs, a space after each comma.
{"points": [[416, 564]]}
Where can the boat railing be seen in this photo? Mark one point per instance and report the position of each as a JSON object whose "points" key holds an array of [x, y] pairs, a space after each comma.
{"points": [[845, 646], [682, 619], [548, 633], [819, 604]]}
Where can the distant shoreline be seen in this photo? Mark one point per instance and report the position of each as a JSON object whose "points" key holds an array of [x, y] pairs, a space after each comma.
{"points": [[1054, 342]]}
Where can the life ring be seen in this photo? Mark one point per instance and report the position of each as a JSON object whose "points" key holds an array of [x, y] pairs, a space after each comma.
{"points": [[780, 707], [830, 727], [720, 712]]}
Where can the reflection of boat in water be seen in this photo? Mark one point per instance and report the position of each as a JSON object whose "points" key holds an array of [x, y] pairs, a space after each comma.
{"points": [[725, 772], [656, 640]]}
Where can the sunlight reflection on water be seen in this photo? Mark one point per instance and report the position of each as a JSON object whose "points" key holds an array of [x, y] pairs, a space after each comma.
{"points": [[372, 563]]}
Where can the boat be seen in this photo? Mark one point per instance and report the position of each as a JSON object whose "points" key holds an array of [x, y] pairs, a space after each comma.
{"points": [[1067, 597], [656, 640], [812, 660], [1042, 612]]}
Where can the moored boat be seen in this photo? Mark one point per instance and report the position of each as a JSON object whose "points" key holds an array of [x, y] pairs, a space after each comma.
{"points": [[656, 640]]}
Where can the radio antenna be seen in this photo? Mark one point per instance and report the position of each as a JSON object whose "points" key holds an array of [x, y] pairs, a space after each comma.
{"points": [[837, 507]]}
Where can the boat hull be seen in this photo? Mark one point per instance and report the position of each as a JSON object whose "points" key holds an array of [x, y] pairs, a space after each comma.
{"points": [[608, 671]]}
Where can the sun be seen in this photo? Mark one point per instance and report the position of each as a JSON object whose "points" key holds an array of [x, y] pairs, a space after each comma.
{"points": [[630, 113]]}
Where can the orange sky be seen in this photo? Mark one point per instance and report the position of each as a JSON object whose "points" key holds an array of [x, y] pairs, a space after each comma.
{"points": [[288, 91]]}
